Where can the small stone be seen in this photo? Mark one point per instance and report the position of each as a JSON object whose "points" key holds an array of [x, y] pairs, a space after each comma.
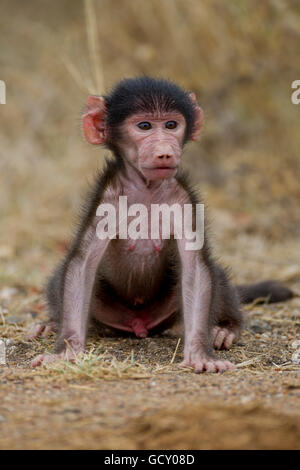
{"points": [[2, 419], [259, 327], [14, 319], [33, 314], [246, 399], [265, 335], [296, 357], [2, 352], [9, 342], [296, 344]]}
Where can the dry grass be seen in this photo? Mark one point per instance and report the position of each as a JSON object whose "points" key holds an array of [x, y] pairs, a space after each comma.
{"points": [[240, 60], [104, 366]]}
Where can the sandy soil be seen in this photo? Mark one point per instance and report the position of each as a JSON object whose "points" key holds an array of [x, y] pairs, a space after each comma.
{"points": [[130, 393]]}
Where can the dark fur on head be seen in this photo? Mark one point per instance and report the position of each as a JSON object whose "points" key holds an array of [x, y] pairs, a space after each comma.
{"points": [[145, 94]]}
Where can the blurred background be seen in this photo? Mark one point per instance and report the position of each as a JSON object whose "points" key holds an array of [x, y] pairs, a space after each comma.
{"points": [[240, 59]]}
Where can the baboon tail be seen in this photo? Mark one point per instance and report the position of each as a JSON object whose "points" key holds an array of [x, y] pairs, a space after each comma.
{"points": [[269, 291]]}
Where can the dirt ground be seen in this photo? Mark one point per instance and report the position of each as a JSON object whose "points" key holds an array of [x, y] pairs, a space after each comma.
{"points": [[128, 393]]}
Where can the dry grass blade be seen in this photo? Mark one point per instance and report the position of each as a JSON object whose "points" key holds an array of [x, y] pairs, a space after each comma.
{"points": [[175, 352], [250, 362], [75, 74], [94, 46], [95, 366], [280, 321]]}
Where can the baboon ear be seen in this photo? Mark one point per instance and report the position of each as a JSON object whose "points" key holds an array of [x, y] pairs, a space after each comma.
{"points": [[198, 117], [94, 120]]}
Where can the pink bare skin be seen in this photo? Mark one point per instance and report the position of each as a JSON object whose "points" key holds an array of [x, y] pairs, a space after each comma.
{"points": [[151, 146], [66, 355], [224, 338], [155, 152], [41, 330]]}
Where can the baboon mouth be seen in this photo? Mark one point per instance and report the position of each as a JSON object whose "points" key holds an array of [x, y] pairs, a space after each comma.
{"points": [[160, 172]]}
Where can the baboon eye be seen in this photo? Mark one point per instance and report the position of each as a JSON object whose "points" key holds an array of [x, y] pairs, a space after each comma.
{"points": [[145, 125], [171, 124]]}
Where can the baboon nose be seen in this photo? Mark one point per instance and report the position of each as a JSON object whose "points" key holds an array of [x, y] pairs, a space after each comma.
{"points": [[164, 160], [164, 157]]}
